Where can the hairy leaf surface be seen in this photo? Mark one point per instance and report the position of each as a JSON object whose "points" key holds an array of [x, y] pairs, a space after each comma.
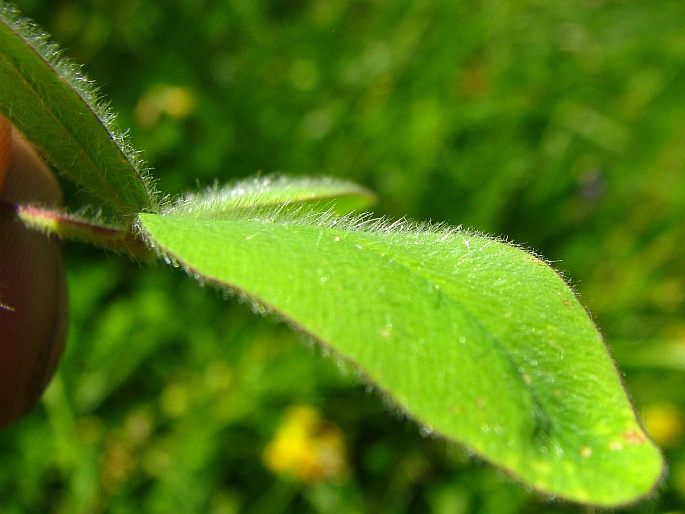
{"points": [[479, 341], [276, 192], [58, 111]]}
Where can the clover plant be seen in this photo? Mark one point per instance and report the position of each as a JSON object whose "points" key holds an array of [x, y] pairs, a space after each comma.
{"points": [[478, 340]]}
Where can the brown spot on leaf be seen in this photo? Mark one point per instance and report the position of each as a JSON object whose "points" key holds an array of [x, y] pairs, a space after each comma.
{"points": [[633, 437]]}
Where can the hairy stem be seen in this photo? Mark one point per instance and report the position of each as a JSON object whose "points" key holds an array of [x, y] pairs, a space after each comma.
{"points": [[70, 227]]}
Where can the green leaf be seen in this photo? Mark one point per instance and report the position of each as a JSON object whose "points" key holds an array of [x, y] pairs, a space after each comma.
{"points": [[316, 193], [57, 110], [478, 340]]}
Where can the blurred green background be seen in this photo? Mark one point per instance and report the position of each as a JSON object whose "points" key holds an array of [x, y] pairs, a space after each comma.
{"points": [[560, 125]]}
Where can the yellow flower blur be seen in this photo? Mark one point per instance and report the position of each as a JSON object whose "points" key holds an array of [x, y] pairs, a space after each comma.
{"points": [[305, 448], [664, 423]]}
